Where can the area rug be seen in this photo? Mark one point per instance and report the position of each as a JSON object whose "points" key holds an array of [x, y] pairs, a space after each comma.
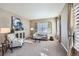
{"points": [[28, 41]]}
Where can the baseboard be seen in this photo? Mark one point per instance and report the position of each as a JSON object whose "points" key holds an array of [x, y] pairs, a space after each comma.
{"points": [[64, 47]]}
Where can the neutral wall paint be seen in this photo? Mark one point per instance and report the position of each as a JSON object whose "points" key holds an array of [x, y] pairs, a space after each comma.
{"points": [[64, 27], [58, 28], [5, 20], [52, 20]]}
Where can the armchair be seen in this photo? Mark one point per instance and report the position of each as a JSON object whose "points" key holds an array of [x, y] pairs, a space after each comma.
{"points": [[16, 38]]}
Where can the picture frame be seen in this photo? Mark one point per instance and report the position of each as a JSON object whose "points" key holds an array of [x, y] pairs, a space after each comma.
{"points": [[16, 24]]}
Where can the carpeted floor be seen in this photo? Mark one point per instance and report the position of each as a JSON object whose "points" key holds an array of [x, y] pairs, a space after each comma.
{"points": [[44, 48]]}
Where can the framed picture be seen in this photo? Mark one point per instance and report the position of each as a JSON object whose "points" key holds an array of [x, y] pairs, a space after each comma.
{"points": [[16, 23]]}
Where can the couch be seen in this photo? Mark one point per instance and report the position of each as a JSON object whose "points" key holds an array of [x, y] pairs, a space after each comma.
{"points": [[40, 36]]}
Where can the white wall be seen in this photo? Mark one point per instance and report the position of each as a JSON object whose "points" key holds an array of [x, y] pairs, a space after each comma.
{"points": [[64, 27], [26, 24], [53, 26]]}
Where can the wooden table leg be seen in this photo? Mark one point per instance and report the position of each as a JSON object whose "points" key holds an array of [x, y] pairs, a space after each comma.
{"points": [[2, 51]]}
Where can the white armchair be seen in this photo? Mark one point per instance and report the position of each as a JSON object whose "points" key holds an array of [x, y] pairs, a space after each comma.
{"points": [[16, 42]]}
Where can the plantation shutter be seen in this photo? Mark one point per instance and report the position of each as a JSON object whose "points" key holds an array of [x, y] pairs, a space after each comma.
{"points": [[76, 20]]}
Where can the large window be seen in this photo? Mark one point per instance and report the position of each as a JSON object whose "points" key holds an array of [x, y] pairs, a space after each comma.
{"points": [[42, 28]]}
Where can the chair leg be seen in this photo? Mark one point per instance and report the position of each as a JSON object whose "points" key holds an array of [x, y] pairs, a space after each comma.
{"points": [[35, 40], [39, 41], [2, 51], [11, 50]]}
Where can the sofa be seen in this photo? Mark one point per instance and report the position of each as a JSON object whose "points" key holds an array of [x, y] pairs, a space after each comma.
{"points": [[40, 36]]}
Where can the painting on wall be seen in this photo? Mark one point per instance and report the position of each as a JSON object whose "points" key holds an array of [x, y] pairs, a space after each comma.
{"points": [[16, 23]]}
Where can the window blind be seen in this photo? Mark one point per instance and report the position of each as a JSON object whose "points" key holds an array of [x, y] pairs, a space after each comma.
{"points": [[76, 20]]}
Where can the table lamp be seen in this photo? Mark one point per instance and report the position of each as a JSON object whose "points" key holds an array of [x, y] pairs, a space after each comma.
{"points": [[3, 32], [32, 29]]}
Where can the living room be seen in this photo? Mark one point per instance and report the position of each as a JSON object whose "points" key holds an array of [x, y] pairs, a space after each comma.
{"points": [[8, 13], [35, 29]]}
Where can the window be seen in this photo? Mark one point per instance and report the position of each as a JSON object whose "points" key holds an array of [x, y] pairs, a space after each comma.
{"points": [[42, 28]]}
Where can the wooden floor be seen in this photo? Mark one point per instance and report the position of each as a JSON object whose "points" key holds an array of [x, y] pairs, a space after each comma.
{"points": [[44, 48]]}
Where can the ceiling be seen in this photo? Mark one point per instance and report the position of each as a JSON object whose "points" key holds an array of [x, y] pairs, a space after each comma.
{"points": [[34, 10]]}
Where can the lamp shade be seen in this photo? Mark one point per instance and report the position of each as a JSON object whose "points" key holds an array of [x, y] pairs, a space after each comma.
{"points": [[32, 29], [4, 30]]}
